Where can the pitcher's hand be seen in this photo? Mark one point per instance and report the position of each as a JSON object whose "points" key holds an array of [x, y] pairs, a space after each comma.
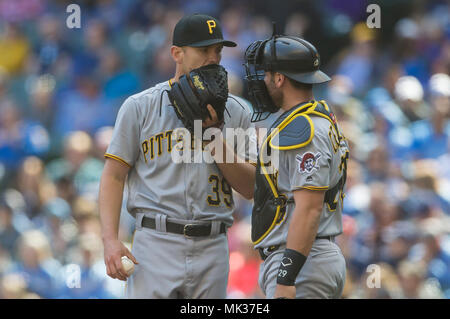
{"points": [[113, 251]]}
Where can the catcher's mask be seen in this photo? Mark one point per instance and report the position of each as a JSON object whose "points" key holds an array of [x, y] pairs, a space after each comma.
{"points": [[291, 56], [255, 72]]}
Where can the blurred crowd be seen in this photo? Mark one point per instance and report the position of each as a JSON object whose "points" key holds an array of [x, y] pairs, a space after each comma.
{"points": [[61, 88]]}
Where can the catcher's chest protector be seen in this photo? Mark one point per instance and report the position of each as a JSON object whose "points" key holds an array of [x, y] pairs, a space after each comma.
{"points": [[294, 129]]}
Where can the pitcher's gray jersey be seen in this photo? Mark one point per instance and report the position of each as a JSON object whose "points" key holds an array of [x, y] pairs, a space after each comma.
{"points": [[319, 165], [144, 138]]}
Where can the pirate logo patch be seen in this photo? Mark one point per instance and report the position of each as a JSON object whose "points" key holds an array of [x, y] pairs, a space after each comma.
{"points": [[333, 118], [308, 162]]}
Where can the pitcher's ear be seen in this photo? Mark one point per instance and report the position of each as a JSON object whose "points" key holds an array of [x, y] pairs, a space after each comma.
{"points": [[177, 54]]}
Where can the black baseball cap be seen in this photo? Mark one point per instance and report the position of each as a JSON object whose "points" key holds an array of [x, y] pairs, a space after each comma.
{"points": [[199, 30]]}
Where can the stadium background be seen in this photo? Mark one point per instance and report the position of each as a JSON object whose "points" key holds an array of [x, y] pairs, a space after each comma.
{"points": [[60, 90]]}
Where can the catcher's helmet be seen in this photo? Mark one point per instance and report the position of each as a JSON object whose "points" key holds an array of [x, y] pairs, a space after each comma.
{"points": [[295, 58], [292, 56]]}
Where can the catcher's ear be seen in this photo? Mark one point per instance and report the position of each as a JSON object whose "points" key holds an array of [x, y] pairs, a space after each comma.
{"points": [[177, 54], [279, 79]]}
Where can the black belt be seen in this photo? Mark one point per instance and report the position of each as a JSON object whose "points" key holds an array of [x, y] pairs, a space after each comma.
{"points": [[330, 238], [276, 247], [188, 230]]}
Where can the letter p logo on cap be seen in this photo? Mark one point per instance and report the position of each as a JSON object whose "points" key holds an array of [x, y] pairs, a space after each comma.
{"points": [[211, 25]]}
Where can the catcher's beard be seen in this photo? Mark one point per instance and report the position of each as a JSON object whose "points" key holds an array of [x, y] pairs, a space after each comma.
{"points": [[276, 95]]}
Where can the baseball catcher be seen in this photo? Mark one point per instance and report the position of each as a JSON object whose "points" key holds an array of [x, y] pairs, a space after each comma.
{"points": [[298, 207]]}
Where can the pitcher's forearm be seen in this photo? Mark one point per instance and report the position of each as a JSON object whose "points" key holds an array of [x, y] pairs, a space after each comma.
{"points": [[239, 174], [110, 203]]}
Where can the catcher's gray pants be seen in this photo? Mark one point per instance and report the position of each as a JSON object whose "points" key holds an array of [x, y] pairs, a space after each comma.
{"points": [[173, 266], [322, 275]]}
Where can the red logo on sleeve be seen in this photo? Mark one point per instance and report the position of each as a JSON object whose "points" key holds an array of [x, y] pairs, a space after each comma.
{"points": [[308, 162]]}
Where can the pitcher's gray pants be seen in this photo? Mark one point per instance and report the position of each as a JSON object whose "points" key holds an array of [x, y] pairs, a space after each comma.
{"points": [[174, 266]]}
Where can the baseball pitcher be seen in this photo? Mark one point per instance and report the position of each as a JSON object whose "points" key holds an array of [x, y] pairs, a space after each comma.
{"points": [[182, 209]]}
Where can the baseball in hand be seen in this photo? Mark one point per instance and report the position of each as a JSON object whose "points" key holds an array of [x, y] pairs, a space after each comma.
{"points": [[128, 265]]}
